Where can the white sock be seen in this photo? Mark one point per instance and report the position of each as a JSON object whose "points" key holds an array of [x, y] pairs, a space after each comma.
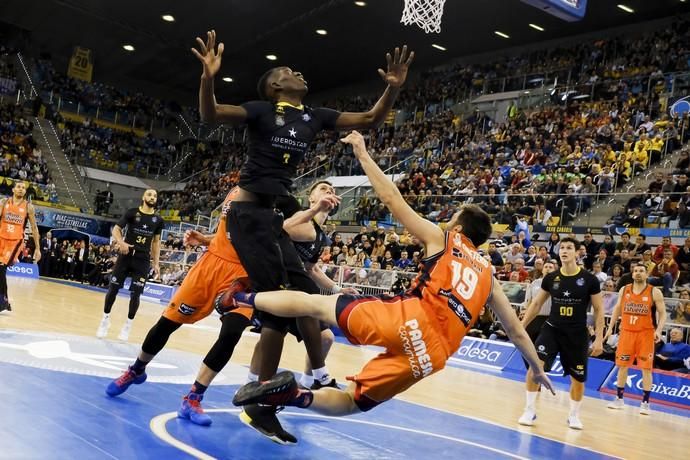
{"points": [[575, 407], [252, 377], [106, 315], [321, 374], [306, 380], [531, 399], [129, 322]]}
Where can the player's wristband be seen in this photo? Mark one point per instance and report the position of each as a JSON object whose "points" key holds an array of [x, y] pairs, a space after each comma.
{"points": [[336, 289]]}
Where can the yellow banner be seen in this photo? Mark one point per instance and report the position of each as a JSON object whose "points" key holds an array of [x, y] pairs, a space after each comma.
{"points": [[81, 64]]}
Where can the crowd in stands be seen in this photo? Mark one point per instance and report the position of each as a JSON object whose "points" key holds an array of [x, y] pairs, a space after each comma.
{"points": [[90, 144], [21, 158], [133, 108]]}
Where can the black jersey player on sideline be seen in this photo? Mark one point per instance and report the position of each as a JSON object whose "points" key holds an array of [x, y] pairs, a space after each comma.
{"points": [[141, 242], [281, 130], [572, 289]]}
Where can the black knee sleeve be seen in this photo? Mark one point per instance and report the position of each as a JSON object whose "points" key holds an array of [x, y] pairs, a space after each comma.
{"points": [[133, 304], [230, 333], [158, 335], [110, 297]]}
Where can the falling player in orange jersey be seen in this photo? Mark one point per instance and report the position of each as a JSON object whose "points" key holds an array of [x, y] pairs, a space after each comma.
{"points": [[14, 212], [643, 314], [420, 329]]}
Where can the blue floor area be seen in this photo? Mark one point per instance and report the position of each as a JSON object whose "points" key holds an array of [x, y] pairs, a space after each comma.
{"points": [[55, 414]]}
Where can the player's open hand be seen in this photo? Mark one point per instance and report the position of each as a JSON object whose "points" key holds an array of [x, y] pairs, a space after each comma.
{"points": [[356, 140], [208, 55], [542, 379], [37, 255], [398, 64], [193, 238], [156, 271]]}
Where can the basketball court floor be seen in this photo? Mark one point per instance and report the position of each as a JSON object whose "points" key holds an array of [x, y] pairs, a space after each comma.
{"points": [[54, 373]]}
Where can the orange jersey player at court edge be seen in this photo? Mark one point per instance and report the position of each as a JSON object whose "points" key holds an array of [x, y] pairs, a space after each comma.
{"points": [[420, 329], [14, 212], [643, 313]]}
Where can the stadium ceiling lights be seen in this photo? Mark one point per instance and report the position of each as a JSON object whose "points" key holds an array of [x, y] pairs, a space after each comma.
{"points": [[501, 34], [128, 47], [438, 47], [227, 79], [361, 3], [321, 31], [168, 18], [625, 8], [536, 27], [271, 57]]}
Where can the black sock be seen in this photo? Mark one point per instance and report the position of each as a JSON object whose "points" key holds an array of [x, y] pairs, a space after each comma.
{"points": [[645, 396], [198, 388], [304, 399], [619, 392], [139, 366]]}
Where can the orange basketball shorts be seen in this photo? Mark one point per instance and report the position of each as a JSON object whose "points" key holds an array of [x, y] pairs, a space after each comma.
{"points": [[10, 250], [636, 344], [400, 324], [194, 299]]}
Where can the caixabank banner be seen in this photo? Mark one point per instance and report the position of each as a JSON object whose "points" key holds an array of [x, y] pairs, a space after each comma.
{"points": [[669, 388]]}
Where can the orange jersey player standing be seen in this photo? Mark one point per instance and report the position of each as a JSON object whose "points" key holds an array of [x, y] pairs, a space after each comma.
{"points": [[14, 212], [419, 330], [214, 272], [643, 313]]}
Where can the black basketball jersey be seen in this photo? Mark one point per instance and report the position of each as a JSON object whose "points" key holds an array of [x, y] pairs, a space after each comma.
{"points": [[570, 297], [279, 137], [140, 228], [309, 251]]}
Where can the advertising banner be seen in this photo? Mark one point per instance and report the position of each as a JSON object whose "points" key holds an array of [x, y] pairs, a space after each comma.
{"points": [[152, 291], [484, 353], [55, 219], [23, 270], [669, 388]]}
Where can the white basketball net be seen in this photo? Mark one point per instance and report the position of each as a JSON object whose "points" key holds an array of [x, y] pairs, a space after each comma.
{"points": [[425, 13]]}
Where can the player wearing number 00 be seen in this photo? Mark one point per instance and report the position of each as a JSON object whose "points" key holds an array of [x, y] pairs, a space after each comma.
{"points": [[419, 330], [643, 314], [572, 290]]}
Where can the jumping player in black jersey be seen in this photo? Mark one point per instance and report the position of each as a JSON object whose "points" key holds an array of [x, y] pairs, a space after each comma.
{"points": [[140, 244], [305, 231], [571, 290], [281, 130]]}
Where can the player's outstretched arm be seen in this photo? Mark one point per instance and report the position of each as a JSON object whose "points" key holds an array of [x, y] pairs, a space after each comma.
{"points": [[156, 253], [500, 305], [428, 233], [394, 76], [209, 110]]}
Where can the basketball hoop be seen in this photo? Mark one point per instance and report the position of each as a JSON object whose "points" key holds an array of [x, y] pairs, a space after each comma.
{"points": [[425, 13]]}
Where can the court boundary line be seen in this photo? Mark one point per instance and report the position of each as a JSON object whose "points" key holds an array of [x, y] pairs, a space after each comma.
{"points": [[525, 431], [158, 427]]}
